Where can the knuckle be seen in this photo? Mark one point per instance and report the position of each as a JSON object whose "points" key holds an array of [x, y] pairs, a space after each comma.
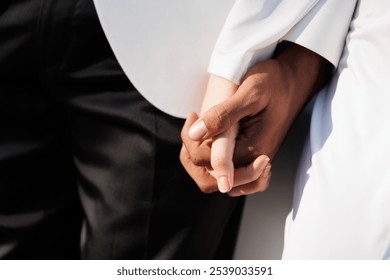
{"points": [[221, 120], [183, 156], [208, 187], [197, 159], [264, 184], [220, 163], [182, 159], [183, 135], [233, 194], [254, 175], [262, 188], [267, 174]]}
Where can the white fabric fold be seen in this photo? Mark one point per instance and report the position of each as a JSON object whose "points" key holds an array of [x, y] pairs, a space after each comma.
{"points": [[166, 47]]}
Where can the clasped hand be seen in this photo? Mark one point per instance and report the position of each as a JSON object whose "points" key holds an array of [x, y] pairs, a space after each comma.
{"points": [[230, 146]]}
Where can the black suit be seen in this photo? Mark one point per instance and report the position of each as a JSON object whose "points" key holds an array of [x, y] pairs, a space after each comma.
{"points": [[82, 150]]}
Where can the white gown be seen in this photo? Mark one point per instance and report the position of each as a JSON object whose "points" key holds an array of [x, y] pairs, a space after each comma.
{"points": [[164, 47], [341, 207]]}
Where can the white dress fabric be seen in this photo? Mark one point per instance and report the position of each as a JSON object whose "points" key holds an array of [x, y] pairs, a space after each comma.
{"points": [[164, 47], [341, 207]]}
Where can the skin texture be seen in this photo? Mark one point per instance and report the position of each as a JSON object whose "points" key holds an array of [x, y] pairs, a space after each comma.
{"points": [[258, 115]]}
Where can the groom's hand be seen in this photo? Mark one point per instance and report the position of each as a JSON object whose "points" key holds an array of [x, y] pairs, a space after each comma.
{"points": [[269, 99], [252, 177]]}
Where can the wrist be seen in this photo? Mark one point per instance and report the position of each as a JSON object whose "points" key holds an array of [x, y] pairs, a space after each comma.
{"points": [[218, 90], [305, 71]]}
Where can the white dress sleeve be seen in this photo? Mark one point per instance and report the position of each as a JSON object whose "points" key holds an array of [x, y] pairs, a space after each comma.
{"points": [[254, 28], [324, 28]]}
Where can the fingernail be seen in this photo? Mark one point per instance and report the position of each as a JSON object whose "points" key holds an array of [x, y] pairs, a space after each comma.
{"points": [[223, 184], [197, 130], [264, 164]]}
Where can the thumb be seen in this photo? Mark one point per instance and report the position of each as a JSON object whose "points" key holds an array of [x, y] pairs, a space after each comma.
{"points": [[218, 119]]}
